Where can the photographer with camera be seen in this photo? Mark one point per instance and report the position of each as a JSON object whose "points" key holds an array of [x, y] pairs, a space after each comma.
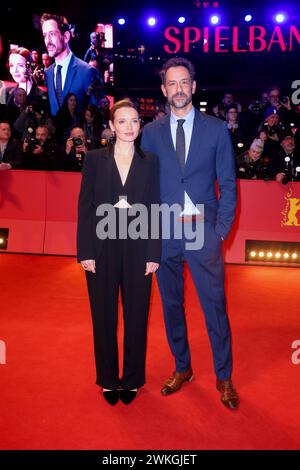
{"points": [[270, 129], [249, 163], [76, 148], [34, 115], [282, 103], [287, 161], [39, 151]]}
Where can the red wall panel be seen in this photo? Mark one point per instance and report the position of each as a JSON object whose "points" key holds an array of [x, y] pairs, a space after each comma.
{"points": [[40, 209]]}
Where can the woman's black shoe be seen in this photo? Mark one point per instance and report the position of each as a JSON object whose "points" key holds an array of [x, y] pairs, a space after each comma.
{"points": [[111, 396], [127, 396]]}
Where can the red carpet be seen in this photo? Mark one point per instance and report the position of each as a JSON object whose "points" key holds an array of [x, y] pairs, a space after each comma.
{"points": [[48, 399]]}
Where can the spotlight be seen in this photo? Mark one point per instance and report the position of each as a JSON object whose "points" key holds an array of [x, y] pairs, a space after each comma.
{"points": [[248, 18], [280, 17], [121, 21], [181, 19], [214, 19], [151, 21], [273, 252], [3, 238]]}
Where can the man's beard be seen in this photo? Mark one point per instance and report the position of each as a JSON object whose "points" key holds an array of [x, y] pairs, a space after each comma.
{"points": [[56, 50], [182, 103]]}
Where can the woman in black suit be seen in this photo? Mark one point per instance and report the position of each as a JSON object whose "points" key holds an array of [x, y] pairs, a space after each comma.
{"points": [[120, 175]]}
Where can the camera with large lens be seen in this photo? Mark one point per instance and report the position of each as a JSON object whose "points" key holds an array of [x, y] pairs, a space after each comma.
{"points": [[32, 144], [264, 170], [290, 173], [247, 171], [39, 72], [271, 131], [77, 141], [256, 106]]}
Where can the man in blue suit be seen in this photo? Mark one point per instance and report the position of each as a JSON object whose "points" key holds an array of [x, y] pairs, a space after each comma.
{"points": [[68, 73], [194, 151]]}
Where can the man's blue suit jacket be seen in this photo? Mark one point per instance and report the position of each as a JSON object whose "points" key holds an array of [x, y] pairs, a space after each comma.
{"points": [[79, 77], [210, 159]]}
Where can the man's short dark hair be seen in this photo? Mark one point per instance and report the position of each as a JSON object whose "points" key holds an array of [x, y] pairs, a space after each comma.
{"points": [[177, 62], [43, 126], [61, 21], [5, 121]]}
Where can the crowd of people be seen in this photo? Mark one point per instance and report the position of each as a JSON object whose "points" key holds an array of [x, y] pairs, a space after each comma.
{"points": [[57, 109]]}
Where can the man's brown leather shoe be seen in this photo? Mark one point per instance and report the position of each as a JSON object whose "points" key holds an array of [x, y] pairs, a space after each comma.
{"points": [[229, 396], [175, 382]]}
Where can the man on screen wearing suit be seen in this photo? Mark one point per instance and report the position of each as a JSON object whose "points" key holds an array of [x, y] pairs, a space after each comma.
{"points": [[68, 73], [195, 151]]}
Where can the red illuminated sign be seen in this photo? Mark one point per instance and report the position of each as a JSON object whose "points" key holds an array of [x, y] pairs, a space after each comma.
{"points": [[224, 39]]}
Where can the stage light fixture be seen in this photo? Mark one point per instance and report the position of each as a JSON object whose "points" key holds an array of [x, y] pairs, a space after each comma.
{"points": [[280, 17], [273, 252], [214, 19], [3, 238], [181, 19], [151, 21], [121, 21], [248, 18]]}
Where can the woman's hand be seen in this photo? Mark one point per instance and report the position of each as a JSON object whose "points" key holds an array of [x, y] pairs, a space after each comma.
{"points": [[89, 265], [151, 268]]}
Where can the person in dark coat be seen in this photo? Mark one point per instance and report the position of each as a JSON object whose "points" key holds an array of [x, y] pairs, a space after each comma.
{"points": [[117, 178]]}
